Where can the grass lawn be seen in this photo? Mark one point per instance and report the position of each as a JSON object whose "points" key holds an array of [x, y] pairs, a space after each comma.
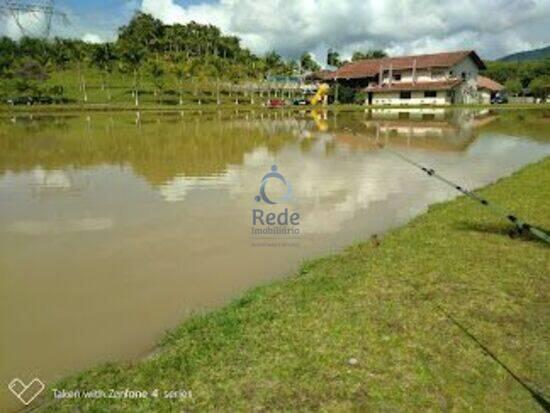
{"points": [[114, 92], [369, 329]]}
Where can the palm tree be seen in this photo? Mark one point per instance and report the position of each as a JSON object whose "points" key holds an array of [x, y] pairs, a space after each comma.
{"points": [[132, 55], [78, 52], [103, 57], [370, 54], [179, 72], [60, 52], [307, 63], [156, 71]]}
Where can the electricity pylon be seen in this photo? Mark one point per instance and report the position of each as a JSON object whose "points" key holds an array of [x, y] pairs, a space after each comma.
{"points": [[33, 18]]}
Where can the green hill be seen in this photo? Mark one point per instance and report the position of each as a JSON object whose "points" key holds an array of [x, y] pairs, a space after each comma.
{"points": [[534, 54]]}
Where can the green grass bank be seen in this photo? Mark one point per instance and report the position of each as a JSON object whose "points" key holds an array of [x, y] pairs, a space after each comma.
{"points": [[288, 346]]}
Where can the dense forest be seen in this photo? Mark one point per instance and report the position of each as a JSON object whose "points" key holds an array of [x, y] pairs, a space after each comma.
{"points": [[146, 50], [531, 76]]}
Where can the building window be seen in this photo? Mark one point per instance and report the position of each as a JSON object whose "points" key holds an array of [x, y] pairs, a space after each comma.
{"points": [[405, 95], [430, 94], [437, 74], [463, 75], [397, 76]]}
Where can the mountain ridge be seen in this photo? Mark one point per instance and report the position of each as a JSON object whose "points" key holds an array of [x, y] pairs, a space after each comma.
{"points": [[534, 54]]}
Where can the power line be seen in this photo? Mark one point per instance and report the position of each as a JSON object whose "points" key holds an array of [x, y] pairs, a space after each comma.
{"points": [[521, 227], [33, 18]]}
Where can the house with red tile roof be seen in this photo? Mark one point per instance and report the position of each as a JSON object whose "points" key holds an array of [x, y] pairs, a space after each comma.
{"points": [[430, 79], [488, 88]]}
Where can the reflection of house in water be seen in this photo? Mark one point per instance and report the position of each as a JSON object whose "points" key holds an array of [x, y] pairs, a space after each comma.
{"points": [[432, 129]]}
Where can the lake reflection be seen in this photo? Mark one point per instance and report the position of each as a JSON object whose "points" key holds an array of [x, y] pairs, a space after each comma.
{"points": [[113, 227]]}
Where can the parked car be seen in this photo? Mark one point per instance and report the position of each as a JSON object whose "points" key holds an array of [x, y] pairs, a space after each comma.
{"points": [[301, 102], [275, 103], [499, 99]]}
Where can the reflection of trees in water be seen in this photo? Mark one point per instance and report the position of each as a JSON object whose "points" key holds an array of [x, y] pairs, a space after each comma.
{"points": [[159, 148], [532, 124]]}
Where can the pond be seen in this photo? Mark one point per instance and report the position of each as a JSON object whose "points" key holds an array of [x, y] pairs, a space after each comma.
{"points": [[114, 227]]}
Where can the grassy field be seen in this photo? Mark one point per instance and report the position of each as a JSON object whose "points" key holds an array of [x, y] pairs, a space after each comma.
{"points": [[373, 328], [91, 89], [91, 86]]}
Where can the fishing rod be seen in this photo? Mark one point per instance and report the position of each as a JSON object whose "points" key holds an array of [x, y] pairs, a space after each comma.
{"points": [[521, 227]]}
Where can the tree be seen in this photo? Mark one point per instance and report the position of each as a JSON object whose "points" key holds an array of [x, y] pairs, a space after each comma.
{"points": [[78, 53], [293, 66], [308, 64], [29, 75], [144, 31], [157, 74], [525, 72], [103, 57], [333, 58], [61, 52], [8, 51], [273, 59], [540, 87], [35, 49], [179, 71], [132, 55], [513, 86], [370, 54]]}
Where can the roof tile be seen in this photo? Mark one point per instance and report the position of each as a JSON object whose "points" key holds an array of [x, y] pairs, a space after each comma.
{"points": [[370, 67]]}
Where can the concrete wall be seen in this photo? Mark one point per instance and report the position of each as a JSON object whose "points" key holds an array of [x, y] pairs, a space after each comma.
{"points": [[467, 91], [417, 98], [485, 95], [521, 99]]}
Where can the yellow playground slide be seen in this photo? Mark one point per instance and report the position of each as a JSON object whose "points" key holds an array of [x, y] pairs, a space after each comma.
{"points": [[321, 93]]}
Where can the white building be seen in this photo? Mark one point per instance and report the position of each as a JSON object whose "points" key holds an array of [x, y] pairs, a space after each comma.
{"points": [[430, 79]]}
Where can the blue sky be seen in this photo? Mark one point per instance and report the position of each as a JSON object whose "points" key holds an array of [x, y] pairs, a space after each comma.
{"points": [[492, 27]]}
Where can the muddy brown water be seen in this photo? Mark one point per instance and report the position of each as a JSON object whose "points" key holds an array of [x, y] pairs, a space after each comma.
{"points": [[114, 227]]}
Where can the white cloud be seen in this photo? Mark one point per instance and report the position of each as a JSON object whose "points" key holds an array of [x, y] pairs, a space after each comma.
{"points": [[493, 27], [91, 38]]}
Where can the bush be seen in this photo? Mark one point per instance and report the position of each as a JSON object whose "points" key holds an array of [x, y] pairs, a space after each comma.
{"points": [[540, 87], [56, 90], [346, 94], [360, 98], [513, 86]]}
